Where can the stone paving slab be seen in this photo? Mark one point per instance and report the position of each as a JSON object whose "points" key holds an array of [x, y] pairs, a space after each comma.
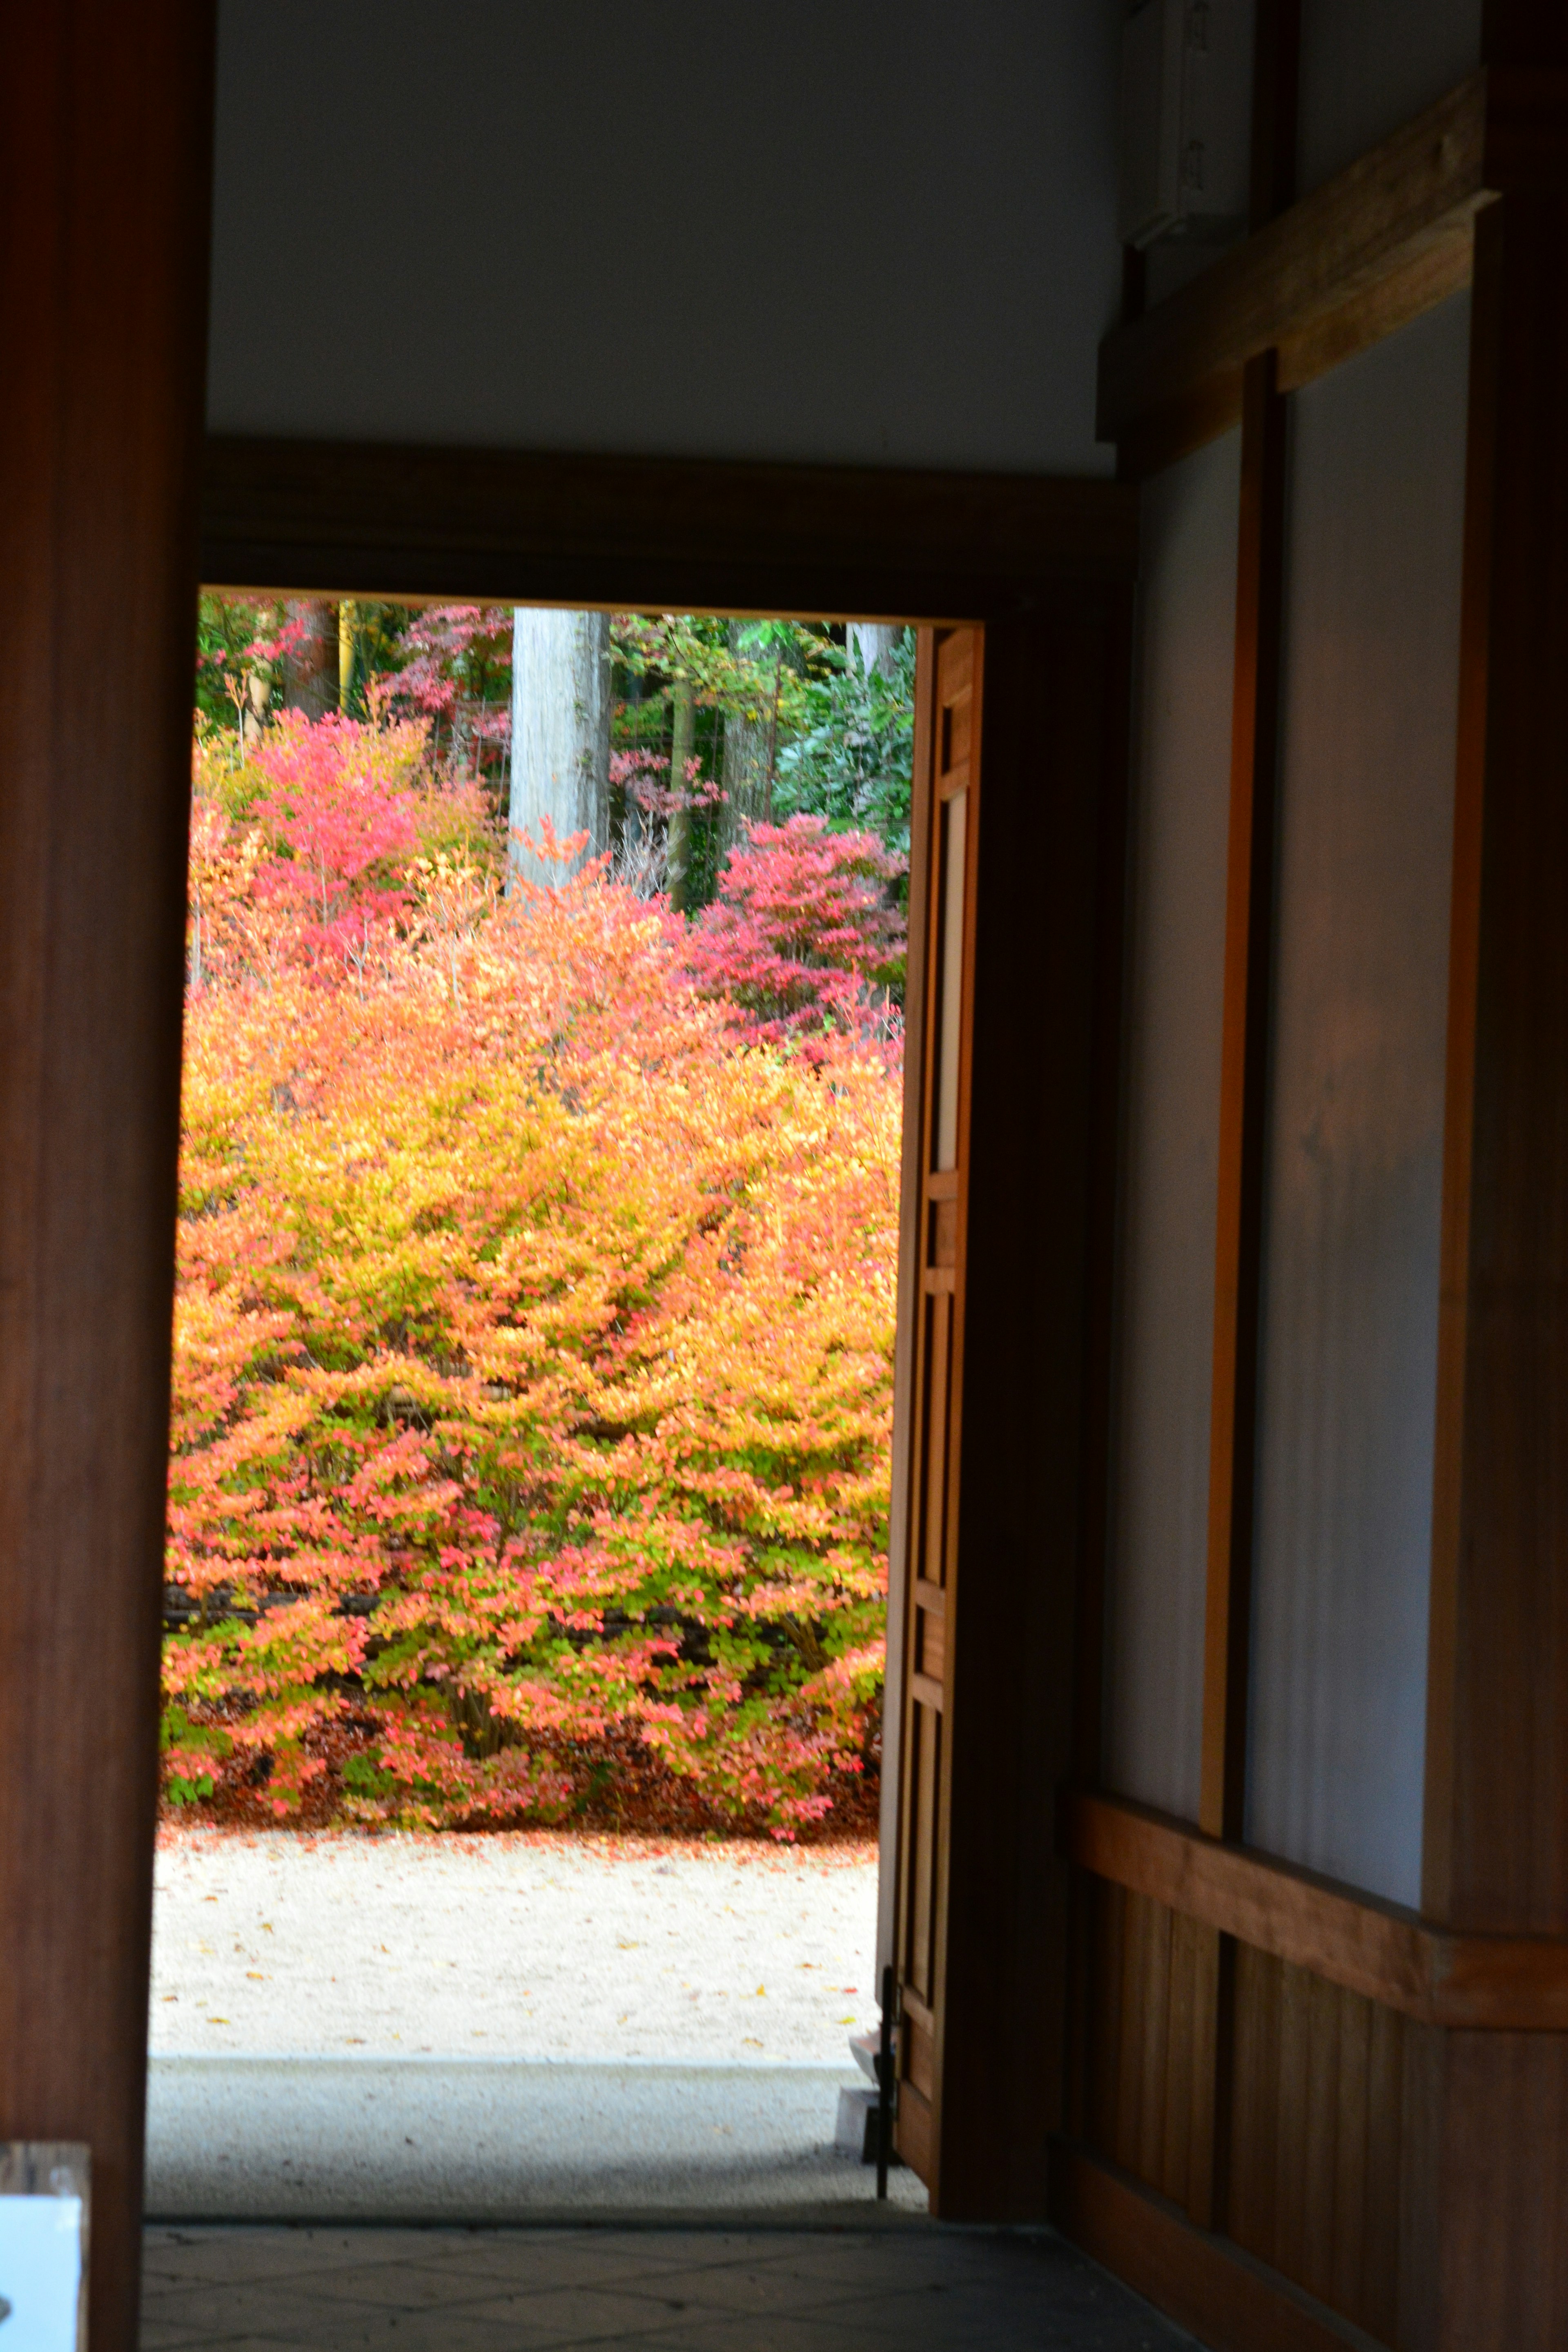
{"points": [[918, 2287]]}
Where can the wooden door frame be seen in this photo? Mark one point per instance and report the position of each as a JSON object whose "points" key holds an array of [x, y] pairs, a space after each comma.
{"points": [[1046, 567]]}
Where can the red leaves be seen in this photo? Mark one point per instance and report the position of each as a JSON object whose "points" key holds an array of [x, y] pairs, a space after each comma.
{"points": [[341, 827], [803, 938]]}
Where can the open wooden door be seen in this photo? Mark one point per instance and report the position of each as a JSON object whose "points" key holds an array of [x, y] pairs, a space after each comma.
{"points": [[947, 779], [1008, 1182]]}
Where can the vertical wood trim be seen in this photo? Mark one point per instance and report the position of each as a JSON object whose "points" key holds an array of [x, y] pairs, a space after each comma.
{"points": [[1244, 1072], [1275, 79], [1244, 1083], [105, 132], [1459, 1106], [1105, 1216]]}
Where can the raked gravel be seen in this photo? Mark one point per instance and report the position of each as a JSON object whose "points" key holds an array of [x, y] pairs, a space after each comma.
{"points": [[532, 1946]]}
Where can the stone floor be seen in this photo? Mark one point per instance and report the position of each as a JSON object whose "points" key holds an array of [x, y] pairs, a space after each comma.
{"points": [[907, 2284]]}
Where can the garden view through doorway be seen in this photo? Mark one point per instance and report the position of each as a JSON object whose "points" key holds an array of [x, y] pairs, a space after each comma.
{"points": [[525, 1599]]}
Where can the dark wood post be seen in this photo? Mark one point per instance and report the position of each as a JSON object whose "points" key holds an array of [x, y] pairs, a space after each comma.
{"points": [[105, 116], [1489, 2111]]}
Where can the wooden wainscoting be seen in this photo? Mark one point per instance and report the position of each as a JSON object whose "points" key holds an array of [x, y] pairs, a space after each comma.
{"points": [[1261, 2058], [1286, 2146], [1313, 2092], [1317, 2104], [1149, 2007]]}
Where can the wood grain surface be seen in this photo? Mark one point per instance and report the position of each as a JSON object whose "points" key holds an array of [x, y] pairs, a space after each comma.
{"points": [[105, 129], [1203, 2282], [1371, 248], [666, 533], [1498, 1982]]}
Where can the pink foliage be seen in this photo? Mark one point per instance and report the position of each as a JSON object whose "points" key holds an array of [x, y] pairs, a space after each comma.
{"points": [[449, 643], [642, 776], [803, 935], [343, 820]]}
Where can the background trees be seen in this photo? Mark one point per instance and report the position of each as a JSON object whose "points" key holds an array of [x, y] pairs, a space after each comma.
{"points": [[562, 694], [660, 736]]}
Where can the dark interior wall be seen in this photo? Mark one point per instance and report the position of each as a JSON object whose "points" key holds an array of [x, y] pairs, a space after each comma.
{"points": [[876, 234], [1353, 1189]]}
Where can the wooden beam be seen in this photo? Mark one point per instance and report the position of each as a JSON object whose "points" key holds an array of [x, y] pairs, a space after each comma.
{"points": [[105, 131], [1478, 1982], [665, 533], [1335, 251], [1386, 239], [1203, 2282], [1276, 88]]}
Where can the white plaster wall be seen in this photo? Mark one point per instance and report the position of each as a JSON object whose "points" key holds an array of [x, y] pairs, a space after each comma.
{"points": [[1353, 1188], [872, 231], [1175, 979], [1367, 65]]}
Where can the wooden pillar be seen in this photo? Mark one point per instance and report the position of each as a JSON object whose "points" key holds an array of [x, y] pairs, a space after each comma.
{"points": [[1488, 2265], [105, 119]]}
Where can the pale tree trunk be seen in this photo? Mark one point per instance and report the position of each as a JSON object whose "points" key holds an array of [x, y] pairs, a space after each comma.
{"points": [[348, 623], [677, 857], [874, 642], [559, 734], [745, 768], [310, 666]]}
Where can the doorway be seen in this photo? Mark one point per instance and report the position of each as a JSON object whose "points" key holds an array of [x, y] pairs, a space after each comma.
{"points": [[452, 1551]]}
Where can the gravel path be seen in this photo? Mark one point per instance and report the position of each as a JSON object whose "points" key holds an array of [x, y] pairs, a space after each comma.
{"points": [[485, 2139], [531, 1947]]}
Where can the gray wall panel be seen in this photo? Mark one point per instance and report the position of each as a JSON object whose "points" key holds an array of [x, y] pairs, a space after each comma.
{"points": [[1367, 65], [1350, 1318], [1177, 965], [880, 236]]}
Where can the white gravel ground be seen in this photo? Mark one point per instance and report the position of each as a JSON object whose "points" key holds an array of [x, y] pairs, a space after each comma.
{"points": [[484, 2139], [510, 1947]]}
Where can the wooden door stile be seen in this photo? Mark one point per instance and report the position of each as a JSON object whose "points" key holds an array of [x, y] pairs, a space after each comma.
{"points": [[901, 1573], [949, 684]]}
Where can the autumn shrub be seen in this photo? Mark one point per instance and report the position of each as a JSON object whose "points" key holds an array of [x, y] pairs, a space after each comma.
{"points": [[803, 941], [534, 1333]]}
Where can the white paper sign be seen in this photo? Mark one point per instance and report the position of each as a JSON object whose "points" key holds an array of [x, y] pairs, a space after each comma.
{"points": [[40, 2273]]}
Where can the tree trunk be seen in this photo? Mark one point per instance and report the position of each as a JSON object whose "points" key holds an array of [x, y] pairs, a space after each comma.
{"points": [[874, 642], [560, 735], [678, 857], [745, 767], [311, 668], [348, 618]]}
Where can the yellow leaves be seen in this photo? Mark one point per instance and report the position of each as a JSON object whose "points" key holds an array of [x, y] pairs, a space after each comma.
{"points": [[519, 1304]]}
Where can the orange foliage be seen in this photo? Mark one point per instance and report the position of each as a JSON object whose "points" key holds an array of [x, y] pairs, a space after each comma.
{"points": [[533, 1360]]}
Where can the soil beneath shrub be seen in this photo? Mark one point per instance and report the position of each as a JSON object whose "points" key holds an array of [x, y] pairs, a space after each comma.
{"points": [[626, 1791]]}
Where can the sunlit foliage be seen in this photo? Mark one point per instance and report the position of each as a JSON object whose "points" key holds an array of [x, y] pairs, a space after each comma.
{"points": [[534, 1326]]}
